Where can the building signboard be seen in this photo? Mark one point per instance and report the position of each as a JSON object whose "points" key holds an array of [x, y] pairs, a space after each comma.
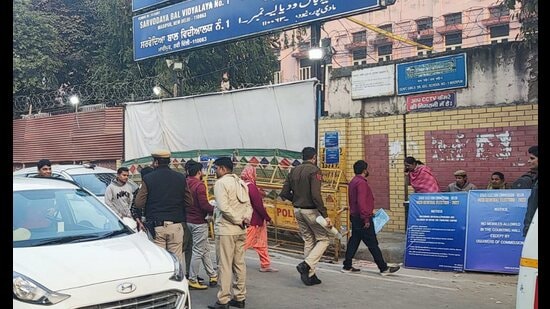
{"points": [[198, 23], [143, 4], [373, 82], [441, 73], [431, 101]]}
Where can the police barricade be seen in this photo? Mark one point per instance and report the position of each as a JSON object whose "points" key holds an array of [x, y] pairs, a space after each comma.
{"points": [[283, 234]]}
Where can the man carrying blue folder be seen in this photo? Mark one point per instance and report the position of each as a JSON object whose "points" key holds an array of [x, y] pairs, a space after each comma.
{"points": [[361, 205]]}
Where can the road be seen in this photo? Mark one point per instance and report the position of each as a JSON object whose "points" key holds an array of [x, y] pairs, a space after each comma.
{"points": [[408, 288]]}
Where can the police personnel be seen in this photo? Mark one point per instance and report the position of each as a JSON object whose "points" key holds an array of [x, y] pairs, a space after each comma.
{"points": [[303, 187], [164, 196]]}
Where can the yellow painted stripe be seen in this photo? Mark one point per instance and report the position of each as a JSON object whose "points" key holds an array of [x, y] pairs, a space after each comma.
{"points": [[529, 263]]}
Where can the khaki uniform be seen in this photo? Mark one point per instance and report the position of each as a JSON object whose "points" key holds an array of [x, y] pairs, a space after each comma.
{"points": [[303, 187]]}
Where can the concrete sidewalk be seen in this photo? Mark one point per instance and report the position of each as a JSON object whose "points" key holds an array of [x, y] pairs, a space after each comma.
{"points": [[392, 245]]}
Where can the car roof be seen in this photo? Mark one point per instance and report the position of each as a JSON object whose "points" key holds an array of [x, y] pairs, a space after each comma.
{"points": [[71, 169], [41, 183]]}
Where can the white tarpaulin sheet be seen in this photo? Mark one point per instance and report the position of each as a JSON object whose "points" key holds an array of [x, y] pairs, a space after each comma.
{"points": [[269, 117]]}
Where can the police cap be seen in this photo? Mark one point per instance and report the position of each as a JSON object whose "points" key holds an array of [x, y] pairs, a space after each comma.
{"points": [[161, 153]]}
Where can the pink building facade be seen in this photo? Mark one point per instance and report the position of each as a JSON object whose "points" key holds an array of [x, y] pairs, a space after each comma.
{"points": [[442, 25]]}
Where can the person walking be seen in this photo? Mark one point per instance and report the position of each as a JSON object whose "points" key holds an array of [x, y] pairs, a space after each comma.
{"points": [[232, 214], [302, 187], [420, 176], [533, 200], [164, 196], [198, 226], [256, 233], [361, 206], [44, 167], [119, 194], [461, 183]]}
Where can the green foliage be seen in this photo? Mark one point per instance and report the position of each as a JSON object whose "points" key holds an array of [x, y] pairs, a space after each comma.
{"points": [[90, 42], [36, 49], [528, 16]]}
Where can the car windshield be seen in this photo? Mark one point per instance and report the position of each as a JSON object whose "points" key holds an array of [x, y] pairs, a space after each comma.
{"points": [[97, 183], [54, 216]]}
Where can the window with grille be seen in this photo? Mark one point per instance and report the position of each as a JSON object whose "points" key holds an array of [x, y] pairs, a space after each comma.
{"points": [[386, 27], [454, 38], [500, 31], [305, 73], [426, 41], [277, 77], [359, 54], [424, 24], [499, 11], [453, 19], [360, 36], [385, 50]]}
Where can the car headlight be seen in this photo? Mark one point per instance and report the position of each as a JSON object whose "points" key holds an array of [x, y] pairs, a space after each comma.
{"points": [[30, 291], [178, 270]]}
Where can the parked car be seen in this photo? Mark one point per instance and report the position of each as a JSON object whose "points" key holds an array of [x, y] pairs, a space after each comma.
{"points": [[72, 251], [527, 294], [92, 177]]}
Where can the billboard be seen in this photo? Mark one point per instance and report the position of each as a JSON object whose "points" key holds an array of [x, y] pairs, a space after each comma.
{"points": [[441, 73], [197, 23]]}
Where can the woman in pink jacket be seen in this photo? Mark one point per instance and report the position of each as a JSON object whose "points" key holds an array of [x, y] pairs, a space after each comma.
{"points": [[256, 233]]}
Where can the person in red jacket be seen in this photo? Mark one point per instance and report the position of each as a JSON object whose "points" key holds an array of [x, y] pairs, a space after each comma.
{"points": [[256, 233], [197, 224], [361, 207]]}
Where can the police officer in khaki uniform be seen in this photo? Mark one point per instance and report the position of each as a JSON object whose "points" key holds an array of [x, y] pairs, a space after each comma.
{"points": [[303, 187], [164, 196]]}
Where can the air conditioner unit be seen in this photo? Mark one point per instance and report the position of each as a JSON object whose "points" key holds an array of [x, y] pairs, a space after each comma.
{"points": [[384, 58], [501, 40], [453, 47], [425, 52], [360, 62]]}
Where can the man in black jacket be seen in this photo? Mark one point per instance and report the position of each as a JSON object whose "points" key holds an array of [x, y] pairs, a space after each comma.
{"points": [[164, 196], [533, 201]]}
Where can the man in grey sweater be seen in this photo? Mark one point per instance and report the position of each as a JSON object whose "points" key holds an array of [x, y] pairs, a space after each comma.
{"points": [[119, 195]]}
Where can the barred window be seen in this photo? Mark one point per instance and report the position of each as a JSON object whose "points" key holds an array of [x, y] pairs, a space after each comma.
{"points": [[424, 23], [453, 19]]}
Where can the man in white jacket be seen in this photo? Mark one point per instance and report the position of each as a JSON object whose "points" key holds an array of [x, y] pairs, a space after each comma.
{"points": [[232, 214]]}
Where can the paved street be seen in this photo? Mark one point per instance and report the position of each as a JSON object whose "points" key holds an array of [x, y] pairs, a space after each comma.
{"points": [[408, 288]]}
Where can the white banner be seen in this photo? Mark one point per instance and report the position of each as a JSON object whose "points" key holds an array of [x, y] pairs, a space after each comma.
{"points": [[270, 117]]}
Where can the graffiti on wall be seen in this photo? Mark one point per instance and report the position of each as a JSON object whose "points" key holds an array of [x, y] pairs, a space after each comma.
{"points": [[495, 145]]}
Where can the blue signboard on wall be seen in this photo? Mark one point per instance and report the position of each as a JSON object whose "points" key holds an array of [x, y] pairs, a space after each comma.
{"points": [[196, 23], [494, 236], [433, 74], [436, 231], [142, 4]]}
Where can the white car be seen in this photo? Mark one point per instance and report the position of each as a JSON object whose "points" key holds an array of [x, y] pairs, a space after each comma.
{"points": [[527, 291], [92, 177], [72, 251]]}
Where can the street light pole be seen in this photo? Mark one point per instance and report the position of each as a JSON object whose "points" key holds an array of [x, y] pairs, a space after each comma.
{"points": [[317, 73]]}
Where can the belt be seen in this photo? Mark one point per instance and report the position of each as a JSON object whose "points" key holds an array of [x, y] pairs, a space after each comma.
{"points": [[163, 223], [306, 207]]}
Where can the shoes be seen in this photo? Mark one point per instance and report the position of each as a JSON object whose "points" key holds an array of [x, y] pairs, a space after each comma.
{"points": [[314, 280], [269, 270], [236, 303], [213, 281], [350, 270], [199, 279], [195, 285], [218, 306], [390, 270], [303, 268]]}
